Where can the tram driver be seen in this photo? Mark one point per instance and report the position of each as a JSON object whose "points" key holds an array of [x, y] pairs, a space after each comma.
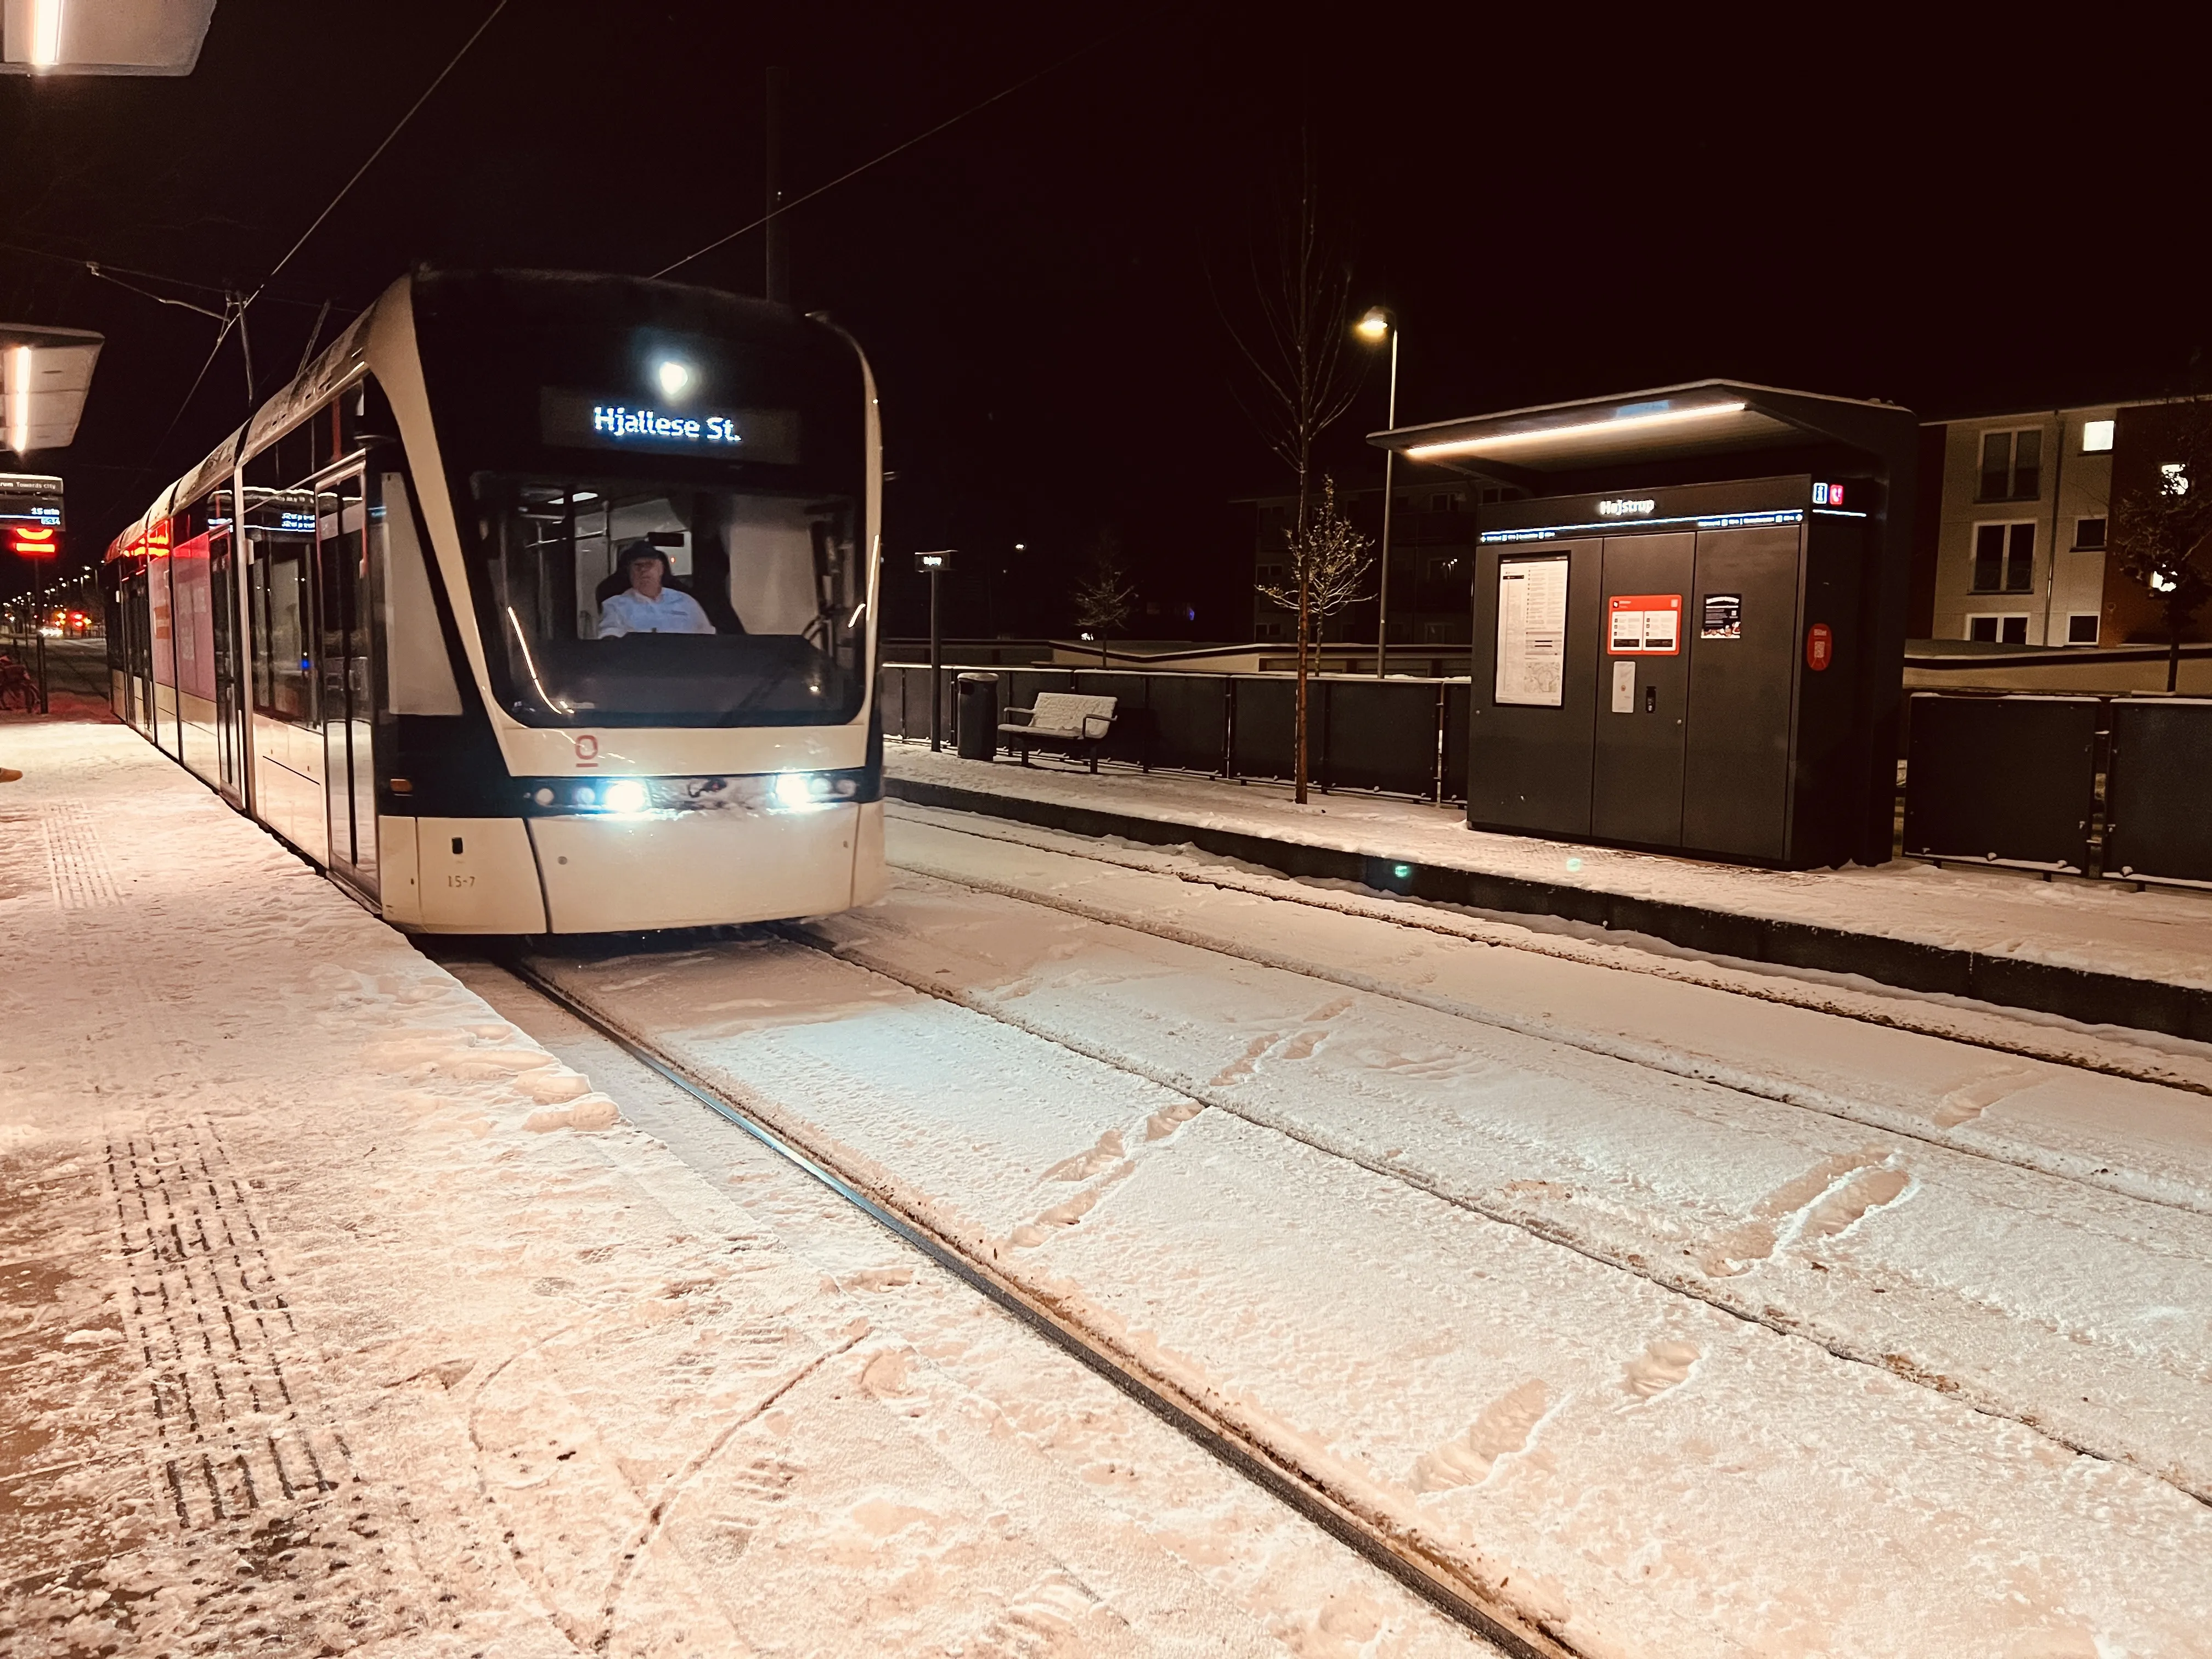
{"points": [[649, 604]]}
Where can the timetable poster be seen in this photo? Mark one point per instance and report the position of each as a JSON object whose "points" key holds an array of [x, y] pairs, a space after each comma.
{"points": [[1531, 631]]}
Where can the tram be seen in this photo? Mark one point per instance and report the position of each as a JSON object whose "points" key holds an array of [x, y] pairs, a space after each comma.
{"points": [[539, 603]]}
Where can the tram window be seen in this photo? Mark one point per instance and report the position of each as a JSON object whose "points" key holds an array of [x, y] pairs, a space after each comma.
{"points": [[776, 581], [282, 684]]}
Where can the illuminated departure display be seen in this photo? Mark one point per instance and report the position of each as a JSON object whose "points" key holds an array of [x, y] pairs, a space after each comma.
{"points": [[581, 420]]}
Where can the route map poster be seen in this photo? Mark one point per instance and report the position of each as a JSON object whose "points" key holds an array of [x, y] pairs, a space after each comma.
{"points": [[1531, 631]]}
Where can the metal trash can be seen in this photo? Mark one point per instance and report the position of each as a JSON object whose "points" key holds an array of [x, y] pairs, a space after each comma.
{"points": [[976, 717]]}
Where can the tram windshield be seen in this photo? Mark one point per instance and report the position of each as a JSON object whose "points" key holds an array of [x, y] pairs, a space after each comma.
{"points": [[621, 602]]}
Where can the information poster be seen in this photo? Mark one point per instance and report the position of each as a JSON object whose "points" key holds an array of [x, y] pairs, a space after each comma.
{"points": [[1531, 631]]}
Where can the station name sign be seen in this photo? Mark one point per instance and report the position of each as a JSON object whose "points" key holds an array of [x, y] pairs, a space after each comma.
{"points": [[1626, 508], [576, 420]]}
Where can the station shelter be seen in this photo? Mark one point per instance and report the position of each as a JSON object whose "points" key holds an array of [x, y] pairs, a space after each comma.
{"points": [[1689, 619]]}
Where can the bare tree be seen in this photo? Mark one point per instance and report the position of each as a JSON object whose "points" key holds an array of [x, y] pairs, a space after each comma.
{"points": [[1327, 566], [1301, 377], [1105, 596], [2162, 536]]}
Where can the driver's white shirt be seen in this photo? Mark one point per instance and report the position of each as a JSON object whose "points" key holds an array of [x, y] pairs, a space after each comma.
{"points": [[630, 612]]}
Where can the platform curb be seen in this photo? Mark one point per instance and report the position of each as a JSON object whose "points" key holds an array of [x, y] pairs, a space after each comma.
{"points": [[2078, 993]]}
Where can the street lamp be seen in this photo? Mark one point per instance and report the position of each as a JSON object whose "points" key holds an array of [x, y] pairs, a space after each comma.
{"points": [[933, 566], [1378, 325]]}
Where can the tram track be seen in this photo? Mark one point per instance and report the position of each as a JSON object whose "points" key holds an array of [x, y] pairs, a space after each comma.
{"points": [[1440, 1576], [1636, 1264], [1219, 1436], [1917, 1016], [1647, 1055], [1429, 1572]]}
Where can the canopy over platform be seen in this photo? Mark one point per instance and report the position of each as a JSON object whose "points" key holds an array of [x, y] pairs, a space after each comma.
{"points": [[1664, 425], [115, 37], [45, 374]]}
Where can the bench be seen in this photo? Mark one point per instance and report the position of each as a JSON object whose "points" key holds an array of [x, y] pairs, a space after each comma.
{"points": [[1079, 725]]}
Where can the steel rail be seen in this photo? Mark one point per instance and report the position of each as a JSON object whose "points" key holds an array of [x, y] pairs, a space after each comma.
{"points": [[1436, 1580]]}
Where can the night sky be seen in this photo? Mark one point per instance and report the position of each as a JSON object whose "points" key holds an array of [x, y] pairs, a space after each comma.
{"points": [[1556, 201]]}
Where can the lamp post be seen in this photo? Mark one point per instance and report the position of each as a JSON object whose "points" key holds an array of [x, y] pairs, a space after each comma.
{"points": [[1378, 325], [934, 565]]}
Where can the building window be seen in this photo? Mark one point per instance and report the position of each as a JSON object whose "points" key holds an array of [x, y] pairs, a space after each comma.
{"points": [[1446, 502], [1270, 573], [2088, 535], [1998, 630], [2096, 437], [2081, 629], [2004, 558], [2012, 465]]}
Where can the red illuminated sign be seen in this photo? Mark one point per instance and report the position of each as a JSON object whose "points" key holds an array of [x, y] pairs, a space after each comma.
{"points": [[34, 541], [1819, 647]]}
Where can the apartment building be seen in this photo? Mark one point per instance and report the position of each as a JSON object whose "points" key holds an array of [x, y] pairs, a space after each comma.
{"points": [[2015, 514]]}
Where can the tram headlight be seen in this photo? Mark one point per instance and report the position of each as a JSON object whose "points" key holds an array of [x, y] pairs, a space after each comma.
{"points": [[628, 795], [793, 790]]}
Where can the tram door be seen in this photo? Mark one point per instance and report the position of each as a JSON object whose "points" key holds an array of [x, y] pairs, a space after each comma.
{"points": [[138, 652], [348, 710], [229, 707]]}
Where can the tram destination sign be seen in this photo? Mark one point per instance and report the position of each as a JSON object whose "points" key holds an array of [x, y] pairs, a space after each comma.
{"points": [[582, 420]]}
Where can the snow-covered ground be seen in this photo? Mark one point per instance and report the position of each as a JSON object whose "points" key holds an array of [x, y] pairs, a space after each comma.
{"points": [[349, 1302], [340, 1313], [1686, 1322], [2158, 934]]}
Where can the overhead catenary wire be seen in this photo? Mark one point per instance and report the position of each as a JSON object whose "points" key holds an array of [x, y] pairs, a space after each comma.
{"points": [[1003, 94], [154, 455], [108, 270], [399, 126], [235, 307]]}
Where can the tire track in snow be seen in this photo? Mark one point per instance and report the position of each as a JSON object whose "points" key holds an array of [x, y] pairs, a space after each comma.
{"points": [[1830, 1206]]}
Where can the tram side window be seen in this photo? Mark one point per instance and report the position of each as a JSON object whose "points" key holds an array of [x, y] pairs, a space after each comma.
{"points": [[280, 522], [282, 684]]}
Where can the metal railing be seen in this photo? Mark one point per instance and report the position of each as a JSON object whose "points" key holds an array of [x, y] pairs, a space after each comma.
{"points": [[2115, 787], [1396, 737]]}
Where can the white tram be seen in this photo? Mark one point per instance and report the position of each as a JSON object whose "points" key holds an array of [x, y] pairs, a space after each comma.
{"points": [[538, 604]]}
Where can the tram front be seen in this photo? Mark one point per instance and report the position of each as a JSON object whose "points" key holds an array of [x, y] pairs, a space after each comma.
{"points": [[665, 500]]}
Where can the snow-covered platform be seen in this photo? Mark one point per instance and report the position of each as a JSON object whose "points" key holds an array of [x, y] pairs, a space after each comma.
{"points": [[2098, 954], [342, 1311]]}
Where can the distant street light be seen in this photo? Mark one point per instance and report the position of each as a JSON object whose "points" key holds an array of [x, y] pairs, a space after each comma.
{"points": [[1378, 325]]}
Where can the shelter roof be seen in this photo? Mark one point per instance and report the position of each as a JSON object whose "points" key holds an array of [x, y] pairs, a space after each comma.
{"points": [[1663, 424]]}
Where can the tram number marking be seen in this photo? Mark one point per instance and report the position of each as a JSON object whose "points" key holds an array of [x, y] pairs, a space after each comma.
{"points": [[460, 881]]}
